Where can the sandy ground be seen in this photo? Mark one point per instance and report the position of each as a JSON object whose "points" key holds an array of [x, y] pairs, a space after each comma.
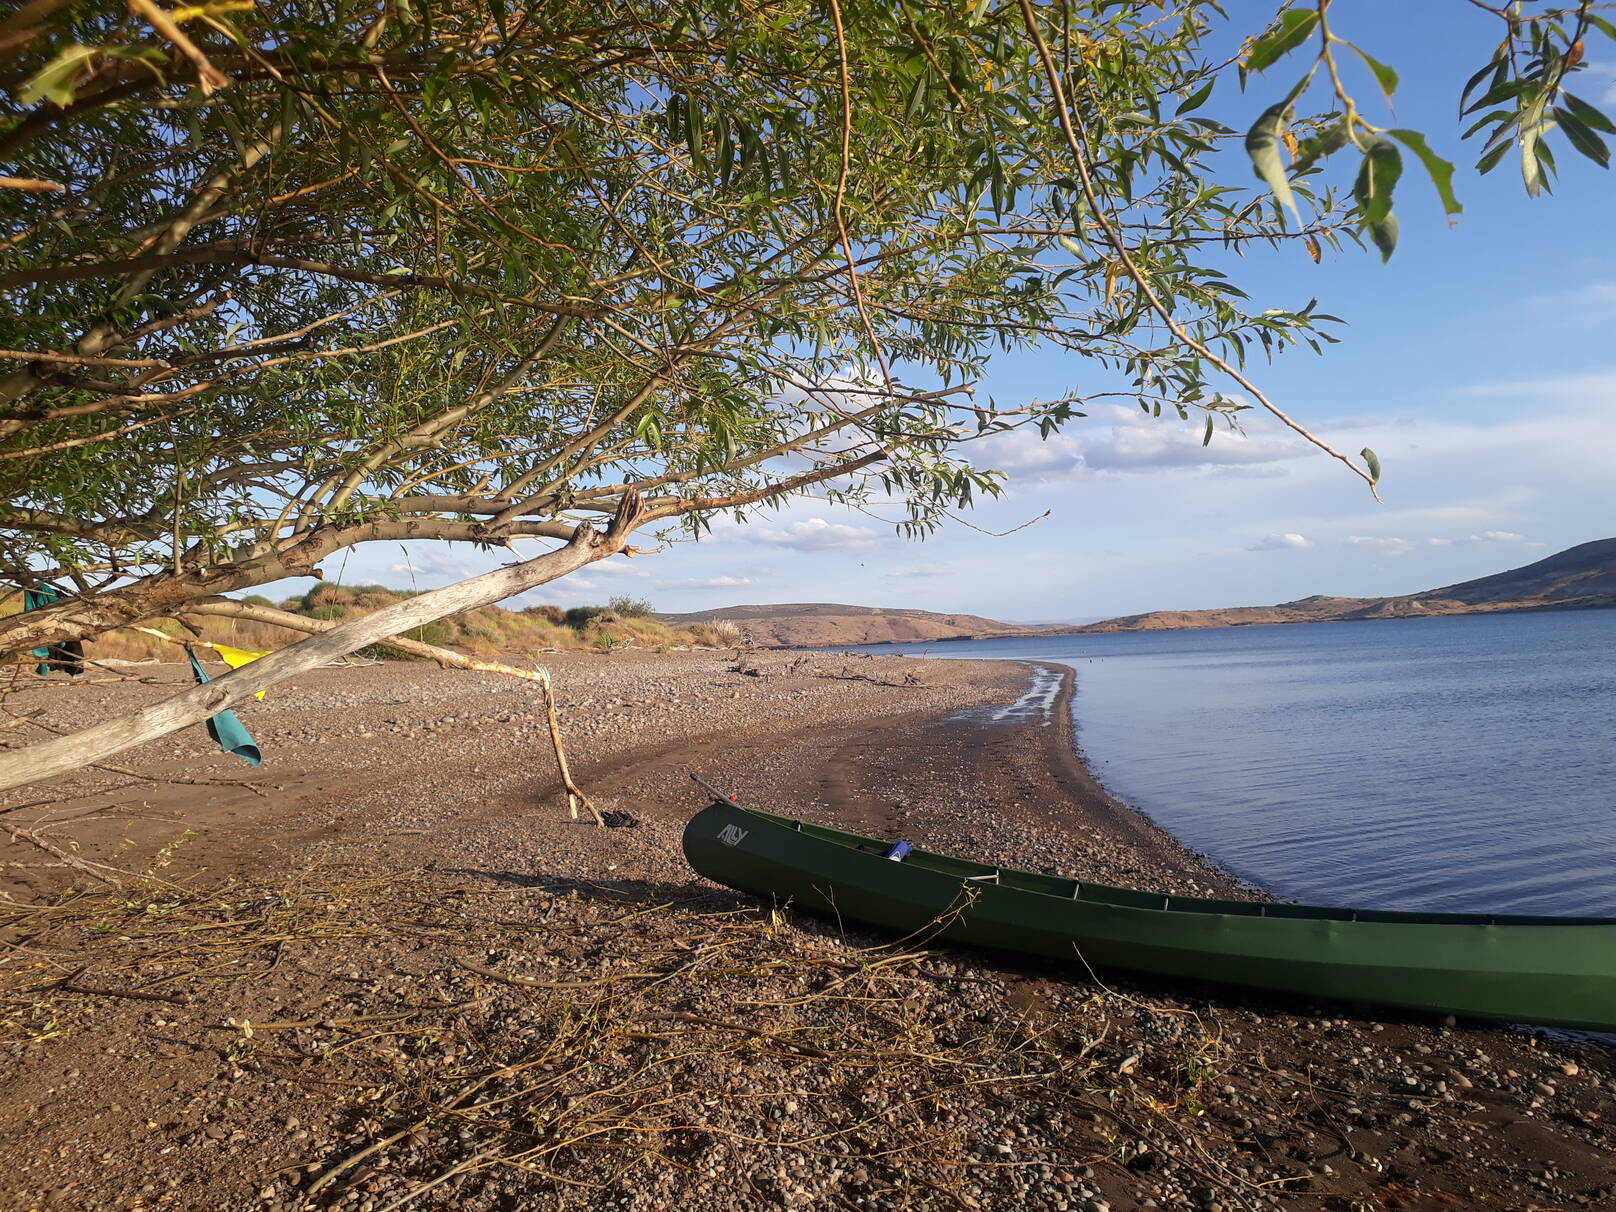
{"points": [[439, 789]]}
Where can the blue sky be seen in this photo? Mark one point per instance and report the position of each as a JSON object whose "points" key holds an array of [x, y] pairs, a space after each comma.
{"points": [[1479, 364]]}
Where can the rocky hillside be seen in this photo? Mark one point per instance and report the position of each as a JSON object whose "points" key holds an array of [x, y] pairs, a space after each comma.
{"points": [[1579, 578], [829, 625]]}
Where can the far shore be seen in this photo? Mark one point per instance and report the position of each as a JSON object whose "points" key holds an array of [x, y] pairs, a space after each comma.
{"points": [[408, 839]]}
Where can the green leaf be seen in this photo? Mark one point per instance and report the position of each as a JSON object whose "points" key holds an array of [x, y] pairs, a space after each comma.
{"points": [[1286, 34], [1535, 123], [1591, 116], [1385, 76], [1495, 69], [1499, 92], [1384, 234], [1439, 170], [1195, 100], [1371, 461], [58, 79], [1262, 145], [693, 135], [1491, 158], [1583, 139], [1311, 150], [1377, 177], [917, 95], [1206, 438]]}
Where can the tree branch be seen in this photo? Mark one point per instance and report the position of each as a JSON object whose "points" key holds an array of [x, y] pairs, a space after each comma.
{"points": [[52, 758]]}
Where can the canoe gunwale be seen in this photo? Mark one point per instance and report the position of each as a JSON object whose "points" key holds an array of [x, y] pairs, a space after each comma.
{"points": [[1129, 898]]}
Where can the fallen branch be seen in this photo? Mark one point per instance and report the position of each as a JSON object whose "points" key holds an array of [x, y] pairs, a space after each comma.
{"points": [[107, 767], [98, 871]]}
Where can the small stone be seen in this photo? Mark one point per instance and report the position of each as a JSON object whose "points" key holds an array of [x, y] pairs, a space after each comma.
{"points": [[1543, 1088], [1569, 1069]]}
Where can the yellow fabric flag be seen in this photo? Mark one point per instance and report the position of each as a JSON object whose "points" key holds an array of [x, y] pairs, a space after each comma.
{"points": [[237, 657]]}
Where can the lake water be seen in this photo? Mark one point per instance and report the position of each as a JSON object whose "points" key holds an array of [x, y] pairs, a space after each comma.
{"points": [[1464, 764]]}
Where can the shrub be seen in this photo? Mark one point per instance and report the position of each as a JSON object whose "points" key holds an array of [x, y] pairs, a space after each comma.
{"points": [[547, 612], [328, 595], [582, 616], [430, 633], [257, 599], [630, 608]]}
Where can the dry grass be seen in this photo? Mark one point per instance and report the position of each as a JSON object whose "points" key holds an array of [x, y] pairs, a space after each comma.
{"points": [[519, 1046]]}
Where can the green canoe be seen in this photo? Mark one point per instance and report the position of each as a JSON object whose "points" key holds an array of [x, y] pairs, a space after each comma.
{"points": [[1551, 971]]}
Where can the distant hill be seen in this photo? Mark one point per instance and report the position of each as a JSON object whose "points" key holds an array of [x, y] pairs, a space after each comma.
{"points": [[1579, 578], [830, 625]]}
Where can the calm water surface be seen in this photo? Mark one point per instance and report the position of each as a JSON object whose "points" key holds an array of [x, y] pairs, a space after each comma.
{"points": [[1448, 764]]}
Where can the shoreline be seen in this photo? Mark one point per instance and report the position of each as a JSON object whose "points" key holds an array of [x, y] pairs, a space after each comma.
{"points": [[410, 876], [1096, 798]]}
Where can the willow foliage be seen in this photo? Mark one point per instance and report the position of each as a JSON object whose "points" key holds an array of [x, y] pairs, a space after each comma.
{"points": [[285, 276]]}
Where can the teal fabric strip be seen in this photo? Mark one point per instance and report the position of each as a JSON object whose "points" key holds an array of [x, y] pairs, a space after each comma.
{"points": [[225, 728]]}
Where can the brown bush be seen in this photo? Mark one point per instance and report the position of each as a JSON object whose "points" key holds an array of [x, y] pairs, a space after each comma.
{"points": [[547, 612]]}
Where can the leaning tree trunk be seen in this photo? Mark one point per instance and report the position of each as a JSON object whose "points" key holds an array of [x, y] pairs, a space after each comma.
{"points": [[51, 758]]}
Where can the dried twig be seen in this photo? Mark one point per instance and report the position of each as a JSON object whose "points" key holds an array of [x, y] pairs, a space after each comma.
{"points": [[132, 994]]}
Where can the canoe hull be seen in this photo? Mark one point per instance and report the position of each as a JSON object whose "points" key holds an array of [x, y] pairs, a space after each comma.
{"points": [[1547, 971]]}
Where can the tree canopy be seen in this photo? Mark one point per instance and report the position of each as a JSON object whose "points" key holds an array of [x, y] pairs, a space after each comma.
{"points": [[290, 275]]}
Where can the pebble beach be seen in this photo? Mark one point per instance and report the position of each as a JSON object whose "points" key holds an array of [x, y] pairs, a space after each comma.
{"points": [[389, 969]]}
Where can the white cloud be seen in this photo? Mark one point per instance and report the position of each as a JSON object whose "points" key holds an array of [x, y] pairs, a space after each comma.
{"points": [[1288, 541], [1605, 73], [619, 568], [816, 534], [1485, 538], [1383, 544], [1136, 442], [431, 563], [564, 592]]}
